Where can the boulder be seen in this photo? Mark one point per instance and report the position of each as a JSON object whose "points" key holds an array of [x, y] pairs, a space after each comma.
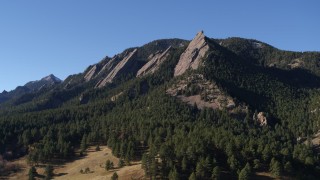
{"points": [[260, 118]]}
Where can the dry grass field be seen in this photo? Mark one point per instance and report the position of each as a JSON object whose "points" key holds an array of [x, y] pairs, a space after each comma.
{"points": [[94, 160]]}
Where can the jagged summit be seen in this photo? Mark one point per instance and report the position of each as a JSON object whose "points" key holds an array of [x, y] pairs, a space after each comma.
{"points": [[51, 78], [191, 57], [148, 58], [31, 87], [200, 33], [44, 82]]}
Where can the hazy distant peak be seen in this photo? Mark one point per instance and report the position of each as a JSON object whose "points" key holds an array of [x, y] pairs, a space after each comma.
{"points": [[51, 78]]}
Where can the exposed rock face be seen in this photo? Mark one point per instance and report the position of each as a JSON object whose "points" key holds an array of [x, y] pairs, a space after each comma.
{"points": [[97, 69], [296, 63], [83, 99], [91, 73], [155, 60], [51, 79], [110, 65], [195, 89], [115, 97], [257, 45], [191, 57], [68, 84], [125, 63], [260, 118], [44, 82]]}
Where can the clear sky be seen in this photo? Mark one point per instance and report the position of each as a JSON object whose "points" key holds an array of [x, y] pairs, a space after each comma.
{"points": [[63, 37]]}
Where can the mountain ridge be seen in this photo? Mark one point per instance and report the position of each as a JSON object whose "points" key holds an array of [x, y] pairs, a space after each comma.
{"points": [[106, 71], [229, 103], [30, 87]]}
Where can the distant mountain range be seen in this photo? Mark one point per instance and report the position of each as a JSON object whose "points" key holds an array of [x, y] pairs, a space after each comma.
{"points": [[301, 67], [30, 87]]}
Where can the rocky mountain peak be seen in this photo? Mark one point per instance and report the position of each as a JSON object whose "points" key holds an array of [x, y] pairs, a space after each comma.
{"points": [[4, 92], [44, 82], [200, 35], [192, 56], [51, 78]]}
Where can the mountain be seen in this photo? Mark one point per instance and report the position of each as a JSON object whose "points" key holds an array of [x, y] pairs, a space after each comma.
{"points": [[44, 82], [30, 87], [232, 104], [192, 56]]}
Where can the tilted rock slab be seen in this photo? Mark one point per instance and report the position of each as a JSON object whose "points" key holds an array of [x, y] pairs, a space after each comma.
{"points": [[155, 60], [124, 64], [110, 65], [90, 73], [192, 56]]}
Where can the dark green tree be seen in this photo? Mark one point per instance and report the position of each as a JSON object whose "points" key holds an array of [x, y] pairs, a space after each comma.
{"points": [[32, 173], [83, 145], [256, 164], [275, 167], [145, 163], [174, 175], [87, 170], [154, 167], [48, 172], [245, 173], [288, 167], [233, 163], [115, 176], [184, 164], [192, 176], [121, 163], [216, 173], [109, 165]]}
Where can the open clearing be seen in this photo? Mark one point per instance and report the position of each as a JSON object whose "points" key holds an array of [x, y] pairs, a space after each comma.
{"points": [[95, 160]]}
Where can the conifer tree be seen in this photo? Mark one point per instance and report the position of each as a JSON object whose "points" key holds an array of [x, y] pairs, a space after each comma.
{"points": [[48, 172], [32, 173]]}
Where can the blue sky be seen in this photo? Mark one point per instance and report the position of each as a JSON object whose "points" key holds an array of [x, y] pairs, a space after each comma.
{"points": [[63, 37]]}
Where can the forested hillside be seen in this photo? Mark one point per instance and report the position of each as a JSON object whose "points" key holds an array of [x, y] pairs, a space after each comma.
{"points": [[138, 119]]}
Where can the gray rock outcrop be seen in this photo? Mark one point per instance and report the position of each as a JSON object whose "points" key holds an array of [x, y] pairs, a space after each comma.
{"points": [[90, 74], [154, 62], [109, 65], [125, 63], [260, 118], [192, 56]]}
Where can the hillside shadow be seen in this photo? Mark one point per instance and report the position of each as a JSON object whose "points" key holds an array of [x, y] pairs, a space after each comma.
{"points": [[296, 77], [299, 78], [7, 171], [60, 174], [261, 177]]}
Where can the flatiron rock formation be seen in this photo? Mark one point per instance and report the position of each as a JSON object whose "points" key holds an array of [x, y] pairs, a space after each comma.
{"points": [[154, 62], [192, 56]]}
